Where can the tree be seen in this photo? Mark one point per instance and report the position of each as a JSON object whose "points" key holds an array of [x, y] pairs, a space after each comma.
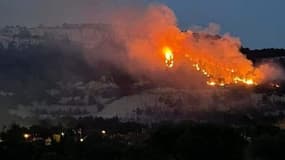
{"points": [[267, 147]]}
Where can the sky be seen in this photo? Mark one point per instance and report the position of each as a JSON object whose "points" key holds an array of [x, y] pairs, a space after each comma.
{"points": [[258, 23]]}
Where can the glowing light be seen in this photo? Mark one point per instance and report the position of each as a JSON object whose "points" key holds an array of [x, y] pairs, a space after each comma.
{"points": [[169, 57], [103, 132], [26, 135], [81, 139], [62, 133], [275, 85], [245, 81], [249, 82], [211, 83], [218, 74], [222, 84]]}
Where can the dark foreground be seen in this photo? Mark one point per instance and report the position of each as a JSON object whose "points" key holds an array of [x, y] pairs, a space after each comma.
{"points": [[112, 139]]}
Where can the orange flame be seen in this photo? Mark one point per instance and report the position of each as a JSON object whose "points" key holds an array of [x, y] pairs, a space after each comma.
{"points": [[216, 76], [169, 57], [222, 77]]}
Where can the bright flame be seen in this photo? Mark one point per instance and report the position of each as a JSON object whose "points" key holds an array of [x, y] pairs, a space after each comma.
{"points": [[211, 83], [217, 74], [245, 81], [169, 57]]}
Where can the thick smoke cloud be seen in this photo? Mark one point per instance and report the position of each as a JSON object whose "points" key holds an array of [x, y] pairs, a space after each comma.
{"points": [[139, 34]]}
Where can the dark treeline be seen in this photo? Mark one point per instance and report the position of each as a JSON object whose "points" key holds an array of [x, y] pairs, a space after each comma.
{"points": [[111, 139], [263, 53], [257, 56]]}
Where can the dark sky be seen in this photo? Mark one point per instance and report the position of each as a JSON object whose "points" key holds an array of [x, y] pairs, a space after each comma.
{"points": [[258, 23]]}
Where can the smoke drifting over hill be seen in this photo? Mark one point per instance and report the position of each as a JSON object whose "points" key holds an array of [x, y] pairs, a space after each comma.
{"points": [[140, 62], [142, 33]]}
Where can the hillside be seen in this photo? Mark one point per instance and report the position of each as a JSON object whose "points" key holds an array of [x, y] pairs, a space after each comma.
{"points": [[44, 73]]}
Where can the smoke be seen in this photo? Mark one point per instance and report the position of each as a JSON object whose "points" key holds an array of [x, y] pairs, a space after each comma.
{"points": [[139, 34], [134, 44], [201, 56], [271, 71], [212, 29]]}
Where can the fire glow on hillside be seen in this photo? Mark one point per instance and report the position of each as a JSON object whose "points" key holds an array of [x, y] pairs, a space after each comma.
{"points": [[216, 74], [154, 41], [226, 75], [169, 58]]}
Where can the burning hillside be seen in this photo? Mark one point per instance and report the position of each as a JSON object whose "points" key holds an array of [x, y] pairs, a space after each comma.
{"points": [[153, 42], [217, 74], [141, 63]]}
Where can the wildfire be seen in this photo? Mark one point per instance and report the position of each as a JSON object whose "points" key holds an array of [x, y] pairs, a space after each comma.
{"points": [[211, 83], [221, 77], [245, 81], [215, 75], [153, 41], [169, 57]]}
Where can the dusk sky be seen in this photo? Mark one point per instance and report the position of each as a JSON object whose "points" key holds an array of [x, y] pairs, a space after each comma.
{"points": [[258, 23]]}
